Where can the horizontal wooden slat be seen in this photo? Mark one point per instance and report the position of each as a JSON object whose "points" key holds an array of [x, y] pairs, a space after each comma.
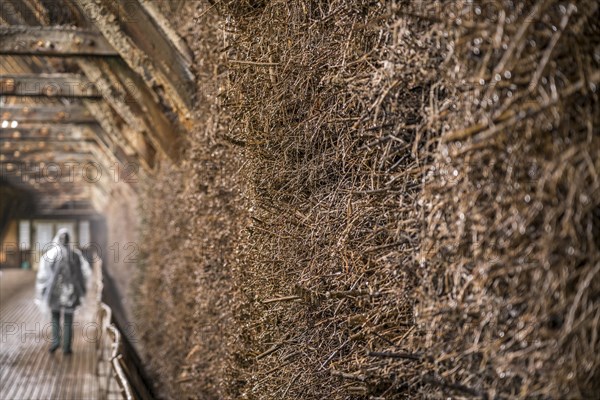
{"points": [[51, 131], [50, 151], [56, 41], [48, 85], [47, 156], [75, 114]]}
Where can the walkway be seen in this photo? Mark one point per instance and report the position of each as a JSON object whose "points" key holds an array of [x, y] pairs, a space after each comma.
{"points": [[27, 369]]}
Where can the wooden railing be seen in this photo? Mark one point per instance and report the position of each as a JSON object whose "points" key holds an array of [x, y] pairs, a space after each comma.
{"points": [[112, 349]]}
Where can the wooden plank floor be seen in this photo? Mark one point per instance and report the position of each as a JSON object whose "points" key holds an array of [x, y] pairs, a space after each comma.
{"points": [[27, 369]]}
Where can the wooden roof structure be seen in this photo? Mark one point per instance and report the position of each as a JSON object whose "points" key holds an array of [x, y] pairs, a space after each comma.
{"points": [[96, 87]]}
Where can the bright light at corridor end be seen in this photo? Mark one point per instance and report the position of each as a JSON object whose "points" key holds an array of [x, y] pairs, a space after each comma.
{"points": [[13, 124]]}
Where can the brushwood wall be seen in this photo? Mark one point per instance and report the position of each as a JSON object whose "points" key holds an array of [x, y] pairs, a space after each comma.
{"points": [[380, 200]]}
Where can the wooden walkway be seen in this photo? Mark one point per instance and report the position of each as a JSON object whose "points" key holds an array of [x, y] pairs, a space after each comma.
{"points": [[27, 369]]}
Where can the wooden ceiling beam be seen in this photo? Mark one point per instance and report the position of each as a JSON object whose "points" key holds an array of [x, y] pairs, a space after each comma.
{"points": [[25, 113], [27, 12], [28, 167], [58, 196], [115, 133], [152, 34], [12, 14], [163, 133], [23, 149], [145, 108], [47, 156], [24, 145], [48, 85], [108, 149], [57, 136], [138, 39], [93, 150], [134, 103], [44, 131], [50, 168], [55, 41]]}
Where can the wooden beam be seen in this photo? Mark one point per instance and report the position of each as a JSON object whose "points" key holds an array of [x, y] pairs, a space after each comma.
{"points": [[33, 168], [43, 131], [149, 108], [23, 149], [105, 142], [97, 166], [26, 113], [135, 104], [114, 92], [27, 12], [115, 134], [102, 165], [55, 195], [48, 85], [47, 155], [56, 41], [54, 167], [12, 14], [31, 144], [30, 85], [36, 133], [57, 173], [163, 24], [113, 148], [77, 190], [166, 134], [162, 66], [153, 35]]}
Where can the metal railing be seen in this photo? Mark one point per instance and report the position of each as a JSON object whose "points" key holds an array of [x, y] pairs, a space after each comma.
{"points": [[111, 348]]}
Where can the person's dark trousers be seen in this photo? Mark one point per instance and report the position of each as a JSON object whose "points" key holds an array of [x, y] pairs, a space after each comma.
{"points": [[68, 332], [55, 344]]}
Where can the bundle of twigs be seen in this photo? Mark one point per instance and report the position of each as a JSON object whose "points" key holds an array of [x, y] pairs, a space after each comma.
{"points": [[509, 298], [329, 101], [381, 200]]}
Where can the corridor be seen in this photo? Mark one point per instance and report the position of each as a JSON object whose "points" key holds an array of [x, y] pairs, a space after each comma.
{"points": [[27, 369]]}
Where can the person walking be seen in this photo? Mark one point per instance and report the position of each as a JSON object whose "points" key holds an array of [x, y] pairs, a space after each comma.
{"points": [[60, 286]]}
